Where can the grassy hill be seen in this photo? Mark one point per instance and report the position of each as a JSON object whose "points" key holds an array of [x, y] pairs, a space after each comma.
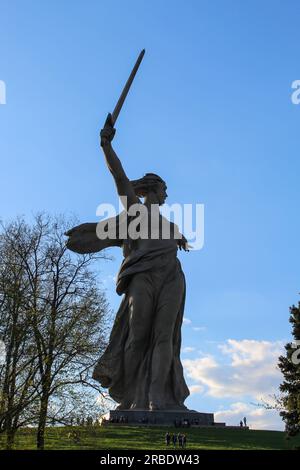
{"points": [[152, 438]]}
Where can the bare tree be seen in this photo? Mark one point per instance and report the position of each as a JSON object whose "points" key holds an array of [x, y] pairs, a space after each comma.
{"points": [[65, 316], [18, 371]]}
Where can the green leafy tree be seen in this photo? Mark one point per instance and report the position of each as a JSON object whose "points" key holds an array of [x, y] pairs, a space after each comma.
{"points": [[290, 368]]}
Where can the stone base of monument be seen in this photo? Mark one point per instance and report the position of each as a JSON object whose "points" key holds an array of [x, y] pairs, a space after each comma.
{"points": [[160, 417]]}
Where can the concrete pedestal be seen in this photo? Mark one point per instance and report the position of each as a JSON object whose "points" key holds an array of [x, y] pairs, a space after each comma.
{"points": [[161, 417]]}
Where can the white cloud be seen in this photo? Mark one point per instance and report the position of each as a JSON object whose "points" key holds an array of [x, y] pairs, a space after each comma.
{"points": [[245, 371], [188, 349], [187, 321], [196, 389], [250, 352], [257, 417], [252, 370]]}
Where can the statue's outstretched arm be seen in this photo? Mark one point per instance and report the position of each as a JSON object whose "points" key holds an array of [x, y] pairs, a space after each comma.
{"points": [[123, 184]]}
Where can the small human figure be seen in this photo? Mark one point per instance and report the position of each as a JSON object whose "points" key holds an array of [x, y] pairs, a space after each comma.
{"points": [[167, 438], [241, 424], [179, 438], [174, 440], [245, 421], [184, 441]]}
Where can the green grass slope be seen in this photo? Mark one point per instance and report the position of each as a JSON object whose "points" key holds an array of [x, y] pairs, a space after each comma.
{"points": [[152, 438]]}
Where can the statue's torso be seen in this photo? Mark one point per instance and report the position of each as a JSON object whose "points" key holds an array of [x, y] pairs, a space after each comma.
{"points": [[154, 250], [155, 233]]}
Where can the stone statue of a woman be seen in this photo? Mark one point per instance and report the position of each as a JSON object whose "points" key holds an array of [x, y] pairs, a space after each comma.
{"points": [[141, 366]]}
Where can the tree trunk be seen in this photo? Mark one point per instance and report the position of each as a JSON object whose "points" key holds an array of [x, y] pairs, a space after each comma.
{"points": [[40, 441], [10, 438]]}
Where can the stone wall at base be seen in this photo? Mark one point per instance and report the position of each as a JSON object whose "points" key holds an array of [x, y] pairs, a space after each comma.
{"points": [[161, 417]]}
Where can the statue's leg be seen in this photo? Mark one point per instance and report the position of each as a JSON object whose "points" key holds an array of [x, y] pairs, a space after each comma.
{"points": [[168, 307], [140, 298]]}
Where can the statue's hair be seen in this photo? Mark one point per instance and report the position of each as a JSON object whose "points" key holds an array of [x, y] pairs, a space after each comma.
{"points": [[147, 183]]}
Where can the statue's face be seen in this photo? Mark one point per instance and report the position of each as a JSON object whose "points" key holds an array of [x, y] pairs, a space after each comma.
{"points": [[161, 192]]}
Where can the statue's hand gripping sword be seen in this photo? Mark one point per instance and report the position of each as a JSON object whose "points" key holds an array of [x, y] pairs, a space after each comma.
{"points": [[114, 116]]}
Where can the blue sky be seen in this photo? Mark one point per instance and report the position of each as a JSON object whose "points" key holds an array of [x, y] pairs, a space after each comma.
{"points": [[211, 112]]}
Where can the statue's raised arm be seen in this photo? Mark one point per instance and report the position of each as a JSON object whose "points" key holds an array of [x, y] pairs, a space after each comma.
{"points": [[123, 184]]}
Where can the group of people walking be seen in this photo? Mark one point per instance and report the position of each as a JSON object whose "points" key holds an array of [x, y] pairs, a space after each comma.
{"points": [[175, 439]]}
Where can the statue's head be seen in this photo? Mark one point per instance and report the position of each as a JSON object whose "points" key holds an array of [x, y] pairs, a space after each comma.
{"points": [[151, 183]]}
